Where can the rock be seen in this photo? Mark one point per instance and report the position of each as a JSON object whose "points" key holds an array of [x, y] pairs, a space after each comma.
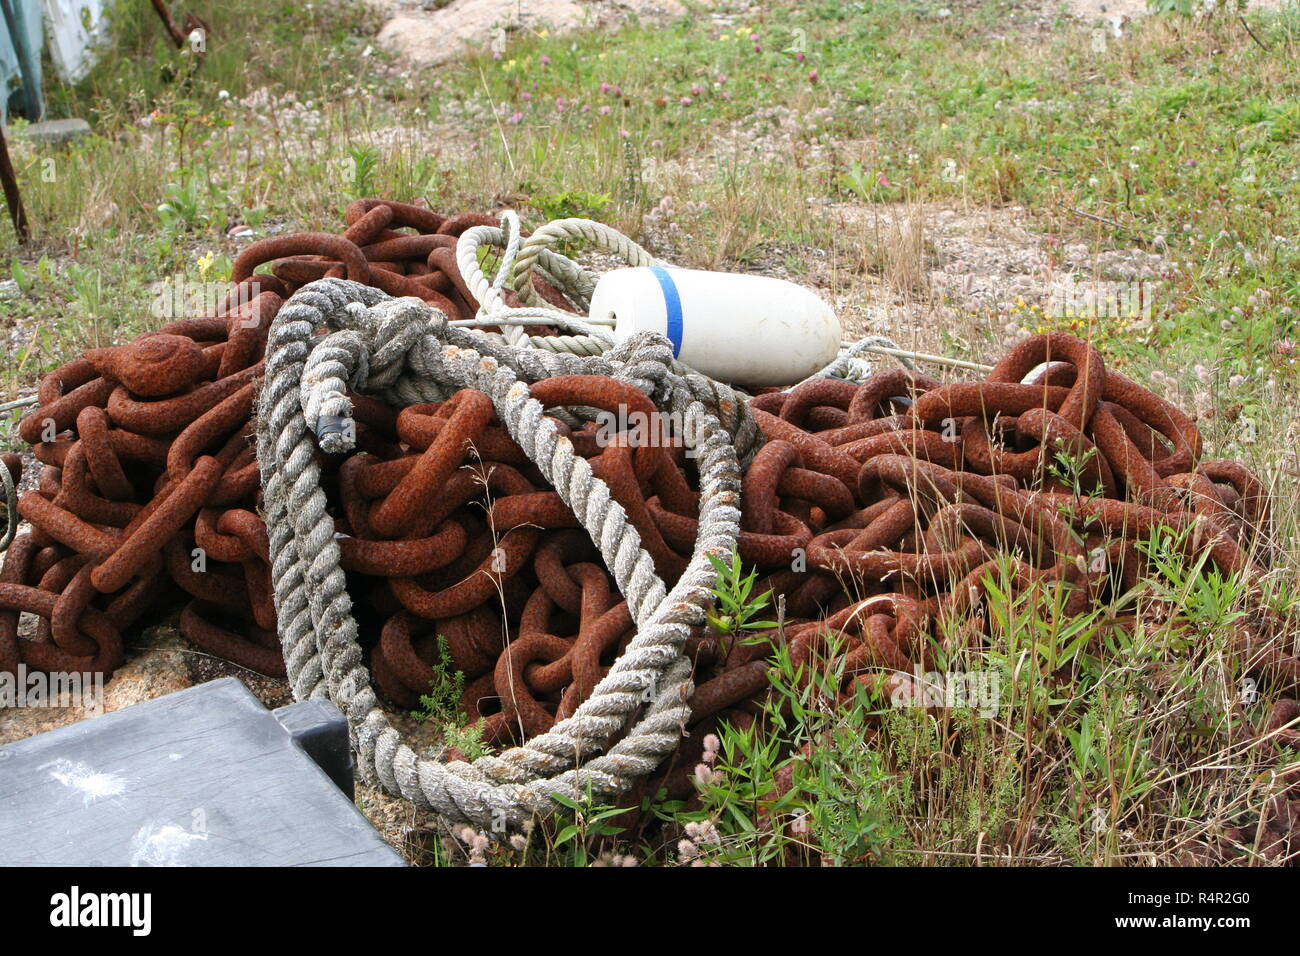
{"points": [[158, 669], [161, 669], [53, 132], [431, 37]]}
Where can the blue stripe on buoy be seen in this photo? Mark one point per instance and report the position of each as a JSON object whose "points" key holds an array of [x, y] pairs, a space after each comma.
{"points": [[673, 303]]}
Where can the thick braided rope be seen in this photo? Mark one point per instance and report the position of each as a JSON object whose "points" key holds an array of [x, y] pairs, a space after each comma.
{"points": [[652, 368], [405, 368], [8, 498], [649, 683]]}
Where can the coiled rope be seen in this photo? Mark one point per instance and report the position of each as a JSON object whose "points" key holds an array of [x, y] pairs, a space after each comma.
{"points": [[522, 259], [403, 351]]}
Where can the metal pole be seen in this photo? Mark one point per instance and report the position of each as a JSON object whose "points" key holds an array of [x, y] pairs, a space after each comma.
{"points": [[18, 403], [31, 86]]}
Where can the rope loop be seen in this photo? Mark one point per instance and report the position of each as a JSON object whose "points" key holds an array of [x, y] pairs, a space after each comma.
{"points": [[586, 339], [537, 254], [400, 347]]}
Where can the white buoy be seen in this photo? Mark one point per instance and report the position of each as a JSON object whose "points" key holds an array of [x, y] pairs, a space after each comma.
{"points": [[744, 329]]}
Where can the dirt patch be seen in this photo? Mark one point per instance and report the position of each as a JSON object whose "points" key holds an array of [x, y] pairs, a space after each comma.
{"points": [[148, 674], [931, 276], [1118, 12]]}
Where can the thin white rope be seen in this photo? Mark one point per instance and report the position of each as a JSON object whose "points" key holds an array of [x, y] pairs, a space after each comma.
{"points": [[521, 259]]}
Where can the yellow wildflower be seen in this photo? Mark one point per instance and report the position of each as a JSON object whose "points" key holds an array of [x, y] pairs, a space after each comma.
{"points": [[204, 263]]}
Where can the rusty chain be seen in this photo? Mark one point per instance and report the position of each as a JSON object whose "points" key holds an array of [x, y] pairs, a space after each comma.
{"points": [[879, 512]]}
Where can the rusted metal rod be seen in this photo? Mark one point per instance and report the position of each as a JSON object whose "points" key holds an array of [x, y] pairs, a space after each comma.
{"points": [[176, 33], [13, 197]]}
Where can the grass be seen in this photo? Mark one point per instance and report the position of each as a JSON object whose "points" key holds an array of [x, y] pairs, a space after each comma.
{"points": [[1063, 740], [739, 143], [1179, 139]]}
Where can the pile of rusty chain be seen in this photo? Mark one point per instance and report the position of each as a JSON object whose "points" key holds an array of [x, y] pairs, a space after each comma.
{"points": [[877, 511], [372, 251], [150, 486], [882, 512], [884, 545]]}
